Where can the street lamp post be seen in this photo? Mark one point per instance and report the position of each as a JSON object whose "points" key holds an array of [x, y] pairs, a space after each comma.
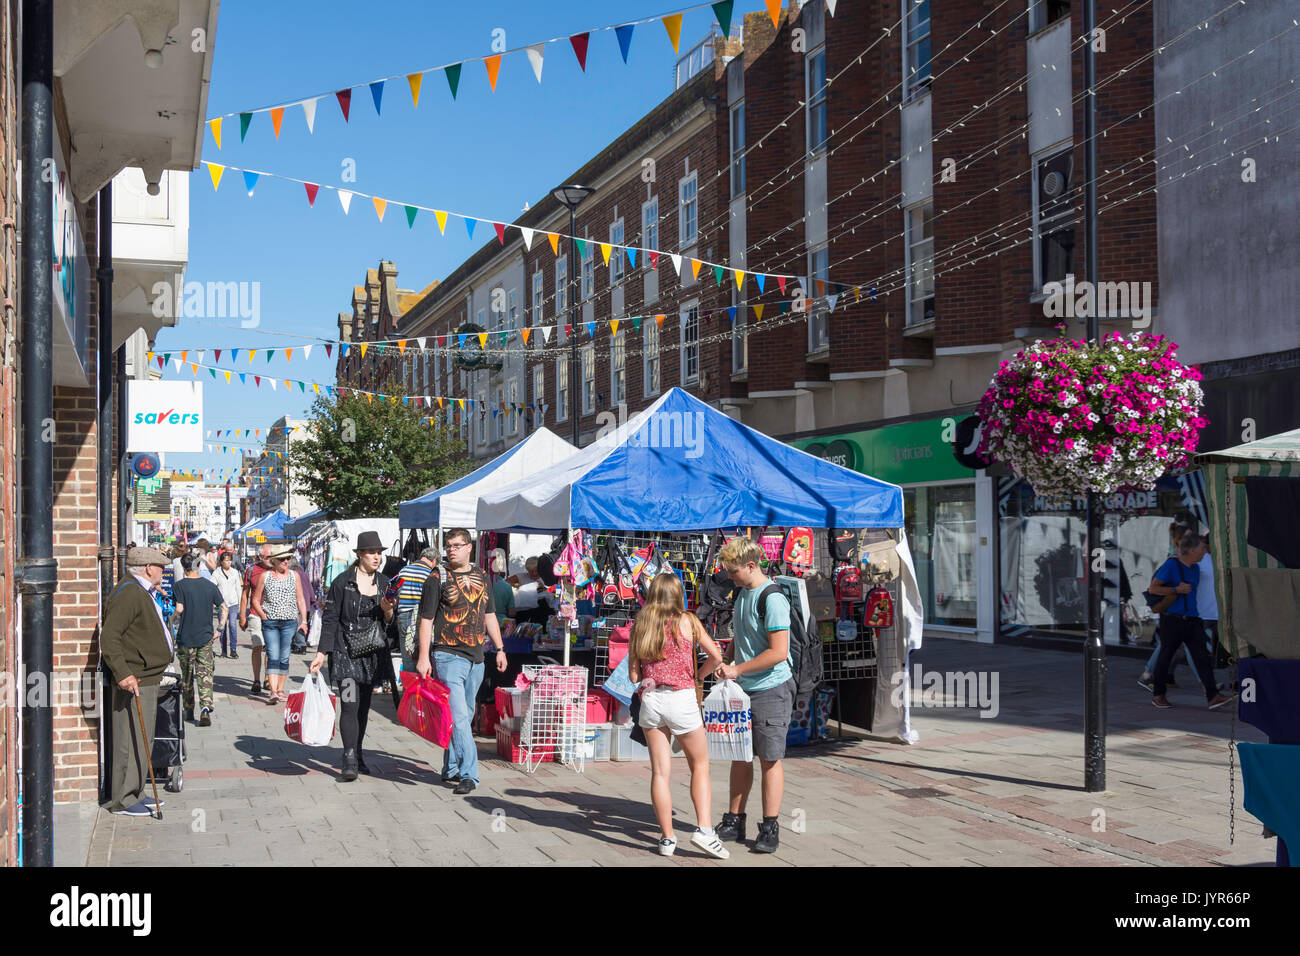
{"points": [[1094, 648], [570, 197]]}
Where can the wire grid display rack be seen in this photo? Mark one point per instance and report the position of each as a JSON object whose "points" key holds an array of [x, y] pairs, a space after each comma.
{"points": [[841, 660], [555, 716]]}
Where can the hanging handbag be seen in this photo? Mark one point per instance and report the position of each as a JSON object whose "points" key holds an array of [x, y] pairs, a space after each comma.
{"points": [[879, 609]]}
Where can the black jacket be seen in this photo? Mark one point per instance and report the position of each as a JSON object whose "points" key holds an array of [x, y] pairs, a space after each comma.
{"points": [[342, 608]]}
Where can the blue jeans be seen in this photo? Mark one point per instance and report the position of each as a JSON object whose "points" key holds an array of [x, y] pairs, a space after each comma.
{"points": [[230, 636], [279, 638], [463, 679]]}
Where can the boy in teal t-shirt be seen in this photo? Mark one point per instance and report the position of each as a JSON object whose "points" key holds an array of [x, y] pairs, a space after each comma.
{"points": [[760, 663]]}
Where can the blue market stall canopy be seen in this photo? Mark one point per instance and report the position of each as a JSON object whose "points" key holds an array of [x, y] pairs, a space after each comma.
{"points": [[271, 525], [681, 465], [455, 505]]}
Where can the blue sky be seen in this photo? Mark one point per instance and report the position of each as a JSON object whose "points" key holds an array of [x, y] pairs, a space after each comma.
{"points": [[483, 154]]}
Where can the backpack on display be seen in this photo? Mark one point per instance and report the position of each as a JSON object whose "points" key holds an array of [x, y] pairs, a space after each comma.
{"points": [[797, 551], [842, 543], [805, 648], [848, 584], [879, 611]]}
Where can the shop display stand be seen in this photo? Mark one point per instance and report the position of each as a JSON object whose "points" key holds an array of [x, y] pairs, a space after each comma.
{"points": [[555, 716]]}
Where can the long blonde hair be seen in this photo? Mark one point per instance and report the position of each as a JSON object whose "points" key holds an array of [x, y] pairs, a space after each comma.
{"points": [[664, 609]]}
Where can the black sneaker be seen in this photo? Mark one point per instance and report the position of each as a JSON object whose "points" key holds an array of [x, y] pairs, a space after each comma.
{"points": [[732, 828], [464, 787], [453, 779], [205, 718], [769, 837]]}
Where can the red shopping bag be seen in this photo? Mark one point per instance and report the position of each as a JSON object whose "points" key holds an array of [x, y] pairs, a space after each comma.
{"points": [[426, 708], [309, 713]]}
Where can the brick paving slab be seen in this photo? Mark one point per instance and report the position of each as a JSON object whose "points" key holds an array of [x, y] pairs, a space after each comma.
{"points": [[1010, 791]]}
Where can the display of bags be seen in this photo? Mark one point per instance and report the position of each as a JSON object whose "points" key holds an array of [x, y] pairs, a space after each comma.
{"points": [[879, 611], [426, 708], [729, 723], [309, 713]]}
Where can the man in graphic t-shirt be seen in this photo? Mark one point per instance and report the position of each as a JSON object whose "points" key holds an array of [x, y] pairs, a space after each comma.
{"points": [[459, 607]]}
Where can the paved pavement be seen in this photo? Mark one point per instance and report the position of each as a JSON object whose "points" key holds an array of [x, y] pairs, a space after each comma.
{"points": [[1006, 791]]}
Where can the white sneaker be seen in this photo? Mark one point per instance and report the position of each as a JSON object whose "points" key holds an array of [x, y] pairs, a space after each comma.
{"points": [[710, 844], [667, 846]]}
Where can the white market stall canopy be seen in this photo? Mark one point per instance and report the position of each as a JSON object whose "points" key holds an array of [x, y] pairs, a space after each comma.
{"points": [[681, 465], [455, 505]]}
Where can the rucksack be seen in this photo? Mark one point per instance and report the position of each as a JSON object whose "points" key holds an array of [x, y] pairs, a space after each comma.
{"points": [[805, 649], [842, 543], [848, 584], [717, 592]]}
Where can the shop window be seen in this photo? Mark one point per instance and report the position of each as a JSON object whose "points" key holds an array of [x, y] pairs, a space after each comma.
{"points": [[815, 83], [688, 211], [920, 263], [738, 149], [690, 329], [618, 370], [588, 379], [539, 395], [561, 292], [649, 228], [819, 322], [589, 272], [562, 389], [916, 47], [650, 357], [940, 523], [539, 298], [739, 337], [1043, 13], [616, 253]]}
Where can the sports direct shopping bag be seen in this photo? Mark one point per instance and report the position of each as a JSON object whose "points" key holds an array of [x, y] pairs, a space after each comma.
{"points": [[309, 713], [426, 709], [728, 723]]}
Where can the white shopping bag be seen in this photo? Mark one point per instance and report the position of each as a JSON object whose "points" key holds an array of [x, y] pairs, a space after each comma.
{"points": [[729, 723], [313, 632], [309, 712]]}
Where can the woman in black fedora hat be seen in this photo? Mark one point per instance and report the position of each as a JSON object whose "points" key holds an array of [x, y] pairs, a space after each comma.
{"points": [[353, 641]]}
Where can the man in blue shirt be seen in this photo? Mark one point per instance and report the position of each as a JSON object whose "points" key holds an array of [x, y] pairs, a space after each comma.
{"points": [[761, 654], [1181, 623]]}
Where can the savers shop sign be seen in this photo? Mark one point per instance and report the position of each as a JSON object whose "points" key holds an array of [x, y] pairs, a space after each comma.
{"points": [[164, 416]]}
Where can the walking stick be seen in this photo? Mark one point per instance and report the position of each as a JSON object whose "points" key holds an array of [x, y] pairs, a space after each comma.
{"points": [[157, 807]]}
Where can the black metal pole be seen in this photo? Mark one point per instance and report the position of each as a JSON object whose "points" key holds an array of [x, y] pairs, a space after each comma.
{"points": [[104, 424], [38, 571], [573, 321], [124, 473], [1094, 651]]}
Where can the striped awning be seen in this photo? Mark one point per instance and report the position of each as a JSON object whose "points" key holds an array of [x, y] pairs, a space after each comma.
{"points": [[1284, 446]]}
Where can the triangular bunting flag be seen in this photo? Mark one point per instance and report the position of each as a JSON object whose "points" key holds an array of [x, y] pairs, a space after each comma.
{"points": [[401, 346], [555, 242], [252, 354], [673, 24], [420, 342], [528, 237], [363, 346], [631, 256], [831, 300], [269, 353], [217, 352], [414, 80], [469, 226], [482, 340], [582, 248], [546, 333], [613, 326], [215, 172], [579, 43], [288, 355], [215, 126], [460, 340], [722, 11], [535, 54], [377, 94], [329, 349], [493, 64], [604, 252], [250, 180], [312, 189], [717, 275], [740, 278], [309, 113], [244, 120], [234, 355], [345, 102], [761, 280], [758, 312], [830, 6], [659, 319], [243, 379], [654, 260], [257, 381], [380, 206], [774, 11], [272, 383], [524, 333], [731, 313], [677, 263], [453, 77], [780, 281], [227, 376], [500, 227], [410, 216], [695, 268], [821, 288], [636, 323], [345, 199], [441, 216], [624, 34], [591, 330]]}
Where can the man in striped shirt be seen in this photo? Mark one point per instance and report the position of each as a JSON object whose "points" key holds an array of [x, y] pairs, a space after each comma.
{"points": [[408, 601]]}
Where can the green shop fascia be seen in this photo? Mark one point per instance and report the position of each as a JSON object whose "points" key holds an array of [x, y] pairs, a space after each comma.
{"points": [[939, 504]]}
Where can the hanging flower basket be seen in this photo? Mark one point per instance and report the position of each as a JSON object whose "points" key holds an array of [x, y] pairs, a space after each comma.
{"points": [[1070, 417]]}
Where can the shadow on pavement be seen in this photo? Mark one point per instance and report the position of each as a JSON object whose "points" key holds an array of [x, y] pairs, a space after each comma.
{"points": [[614, 820]]}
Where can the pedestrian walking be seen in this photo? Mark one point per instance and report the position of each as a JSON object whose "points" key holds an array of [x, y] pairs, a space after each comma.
{"points": [[227, 580], [197, 601], [408, 602], [1181, 625], [456, 612], [354, 645], [661, 656], [760, 650], [278, 600], [1178, 528], [251, 623], [137, 646]]}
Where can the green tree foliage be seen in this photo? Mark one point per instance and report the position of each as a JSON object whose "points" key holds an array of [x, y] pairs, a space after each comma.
{"points": [[364, 457]]}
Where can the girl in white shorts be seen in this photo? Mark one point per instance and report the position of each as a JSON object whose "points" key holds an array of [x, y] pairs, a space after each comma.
{"points": [[661, 656]]}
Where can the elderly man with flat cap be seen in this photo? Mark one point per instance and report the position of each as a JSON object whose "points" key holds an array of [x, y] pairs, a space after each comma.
{"points": [[137, 647]]}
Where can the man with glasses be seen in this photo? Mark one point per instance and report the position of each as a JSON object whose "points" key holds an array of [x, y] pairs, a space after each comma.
{"points": [[459, 606]]}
